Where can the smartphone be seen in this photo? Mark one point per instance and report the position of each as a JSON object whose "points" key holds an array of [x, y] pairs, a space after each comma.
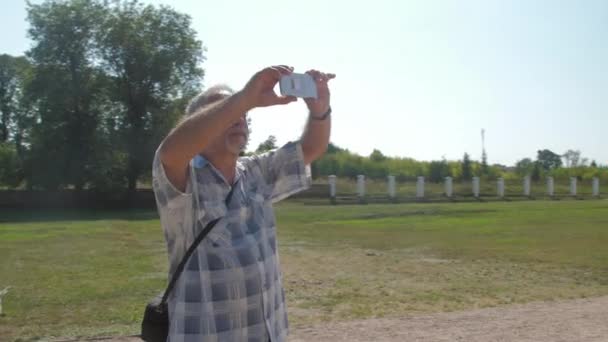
{"points": [[298, 85]]}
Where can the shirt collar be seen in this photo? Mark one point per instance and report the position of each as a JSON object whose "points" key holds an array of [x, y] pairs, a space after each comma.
{"points": [[200, 162]]}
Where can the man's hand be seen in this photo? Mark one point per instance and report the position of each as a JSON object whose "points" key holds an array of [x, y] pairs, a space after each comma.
{"points": [[320, 105], [259, 91]]}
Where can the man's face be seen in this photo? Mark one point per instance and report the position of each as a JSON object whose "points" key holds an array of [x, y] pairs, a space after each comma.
{"points": [[235, 137]]}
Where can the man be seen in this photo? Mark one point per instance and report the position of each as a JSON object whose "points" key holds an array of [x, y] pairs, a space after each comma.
{"points": [[231, 287]]}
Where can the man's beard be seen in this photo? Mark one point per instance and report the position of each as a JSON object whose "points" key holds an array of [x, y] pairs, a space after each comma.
{"points": [[235, 145]]}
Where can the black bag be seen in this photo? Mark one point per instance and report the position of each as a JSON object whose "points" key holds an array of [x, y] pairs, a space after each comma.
{"points": [[155, 325]]}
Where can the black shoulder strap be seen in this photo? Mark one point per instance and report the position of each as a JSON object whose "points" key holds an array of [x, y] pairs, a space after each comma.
{"points": [[192, 247]]}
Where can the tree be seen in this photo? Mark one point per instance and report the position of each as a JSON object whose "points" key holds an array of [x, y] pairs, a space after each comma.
{"points": [[65, 90], [438, 170], [467, 172], [548, 159], [15, 118], [484, 163], [11, 173], [536, 171], [524, 167], [10, 89], [333, 148], [269, 144], [572, 158], [377, 156], [593, 163], [153, 57]]}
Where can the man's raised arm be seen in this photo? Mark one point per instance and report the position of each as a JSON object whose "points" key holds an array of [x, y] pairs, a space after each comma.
{"points": [[316, 134], [198, 131]]}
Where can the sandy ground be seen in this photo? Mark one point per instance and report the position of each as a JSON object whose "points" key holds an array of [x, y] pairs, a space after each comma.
{"points": [[582, 320]]}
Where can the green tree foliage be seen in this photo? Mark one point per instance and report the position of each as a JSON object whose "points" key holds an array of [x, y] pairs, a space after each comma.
{"points": [[66, 90], [536, 171], [438, 170], [16, 118], [11, 171], [343, 163], [269, 144], [485, 169], [377, 156], [467, 171], [548, 159], [524, 167], [101, 85], [11, 84], [332, 148], [152, 56]]}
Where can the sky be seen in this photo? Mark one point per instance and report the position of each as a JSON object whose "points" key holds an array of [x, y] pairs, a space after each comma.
{"points": [[417, 79]]}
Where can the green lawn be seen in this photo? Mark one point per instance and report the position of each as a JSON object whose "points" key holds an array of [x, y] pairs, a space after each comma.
{"points": [[90, 274]]}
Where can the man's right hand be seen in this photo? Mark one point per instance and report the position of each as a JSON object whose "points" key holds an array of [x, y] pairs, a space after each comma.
{"points": [[259, 91]]}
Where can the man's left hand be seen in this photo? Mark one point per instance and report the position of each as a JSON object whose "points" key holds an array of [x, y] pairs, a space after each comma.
{"points": [[320, 105]]}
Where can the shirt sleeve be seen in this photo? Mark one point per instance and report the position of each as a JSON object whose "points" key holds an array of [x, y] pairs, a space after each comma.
{"points": [[167, 195], [283, 170], [175, 211]]}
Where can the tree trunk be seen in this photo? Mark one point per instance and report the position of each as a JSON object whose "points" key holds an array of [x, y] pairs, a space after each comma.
{"points": [[132, 177], [4, 132]]}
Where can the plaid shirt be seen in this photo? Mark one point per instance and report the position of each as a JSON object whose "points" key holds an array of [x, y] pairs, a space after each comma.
{"points": [[231, 287]]}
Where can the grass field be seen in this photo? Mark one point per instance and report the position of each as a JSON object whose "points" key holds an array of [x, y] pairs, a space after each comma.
{"points": [[90, 273]]}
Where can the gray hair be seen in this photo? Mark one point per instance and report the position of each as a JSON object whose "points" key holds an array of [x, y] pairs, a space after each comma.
{"points": [[207, 97]]}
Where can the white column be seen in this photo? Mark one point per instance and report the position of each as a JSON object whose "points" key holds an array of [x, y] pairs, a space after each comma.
{"points": [[596, 187], [332, 186], [361, 186], [476, 187], [391, 186], [527, 186], [448, 186], [2, 294], [550, 186], [500, 187], [420, 187], [573, 186]]}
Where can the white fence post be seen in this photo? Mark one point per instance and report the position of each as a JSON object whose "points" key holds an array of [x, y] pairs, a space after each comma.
{"points": [[2, 294], [596, 187], [332, 186], [572, 186], [527, 186], [391, 187], [361, 186], [550, 186], [448, 187], [476, 187], [500, 187], [420, 187]]}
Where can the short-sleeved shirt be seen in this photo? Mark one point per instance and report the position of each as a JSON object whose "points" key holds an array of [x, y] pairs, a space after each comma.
{"points": [[231, 287]]}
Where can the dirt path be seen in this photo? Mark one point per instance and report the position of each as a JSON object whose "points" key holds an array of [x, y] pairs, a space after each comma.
{"points": [[582, 320]]}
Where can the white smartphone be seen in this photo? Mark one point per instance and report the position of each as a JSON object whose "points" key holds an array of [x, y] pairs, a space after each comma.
{"points": [[298, 85]]}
